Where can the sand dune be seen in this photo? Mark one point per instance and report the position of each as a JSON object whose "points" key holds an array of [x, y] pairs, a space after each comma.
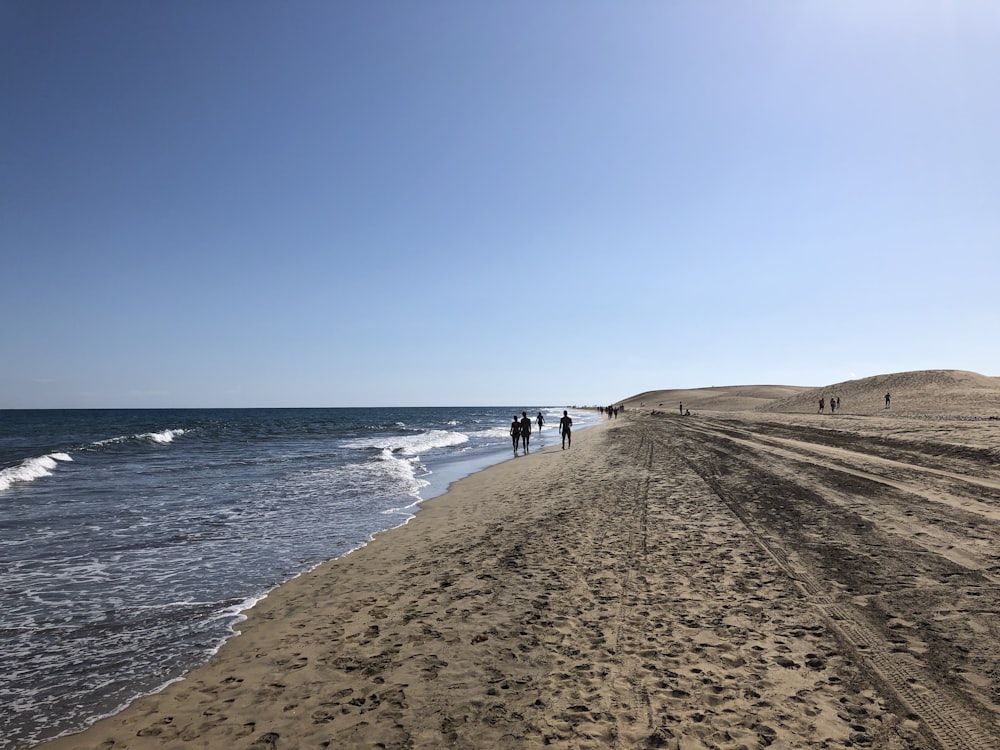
{"points": [[917, 393], [921, 393], [716, 398]]}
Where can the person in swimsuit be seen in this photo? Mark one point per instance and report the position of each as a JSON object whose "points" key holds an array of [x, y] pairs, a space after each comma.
{"points": [[564, 429], [515, 432], [540, 421], [525, 430]]}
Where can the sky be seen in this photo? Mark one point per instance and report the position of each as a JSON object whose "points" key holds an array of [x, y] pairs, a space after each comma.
{"points": [[394, 203]]}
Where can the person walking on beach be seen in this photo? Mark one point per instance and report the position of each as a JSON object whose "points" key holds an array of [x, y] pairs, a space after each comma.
{"points": [[833, 405], [821, 403], [564, 429], [682, 408], [515, 432], [887, 400], [525, 431], [540, 421]]}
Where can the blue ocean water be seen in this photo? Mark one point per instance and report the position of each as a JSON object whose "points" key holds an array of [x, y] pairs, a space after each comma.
{"points": [[132, 540]]}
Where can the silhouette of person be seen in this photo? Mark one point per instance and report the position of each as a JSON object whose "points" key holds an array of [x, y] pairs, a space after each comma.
{"points": [[540, 421], [833, 405], [564, 429], [821, 404], [525, 430], [682, 407], [888, 398], [515, 432]]}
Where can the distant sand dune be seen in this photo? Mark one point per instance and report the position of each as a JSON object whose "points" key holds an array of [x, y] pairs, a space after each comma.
{"points": [[920, 393], [719, 398]]}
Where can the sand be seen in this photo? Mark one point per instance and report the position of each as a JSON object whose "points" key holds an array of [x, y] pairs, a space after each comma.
{"points": [[737, 579], [921, 394]]}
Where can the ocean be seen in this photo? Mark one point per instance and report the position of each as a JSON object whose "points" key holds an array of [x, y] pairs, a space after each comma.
{"points": [[133, 541]]}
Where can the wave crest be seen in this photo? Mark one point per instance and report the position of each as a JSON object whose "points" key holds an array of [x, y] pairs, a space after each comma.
{"points": [[163, 437], [412, 445], [31, 469]]}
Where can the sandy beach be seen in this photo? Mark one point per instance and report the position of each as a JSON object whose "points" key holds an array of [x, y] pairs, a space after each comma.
{"points": [[737, 579]]}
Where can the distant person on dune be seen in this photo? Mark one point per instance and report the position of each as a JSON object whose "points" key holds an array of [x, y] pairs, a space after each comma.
{"points": [[888, 398], [821, 404], [564, 429]]}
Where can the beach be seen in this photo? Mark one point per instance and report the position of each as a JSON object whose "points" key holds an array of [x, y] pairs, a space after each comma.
{"points": [[722, 580], [133, 540]]}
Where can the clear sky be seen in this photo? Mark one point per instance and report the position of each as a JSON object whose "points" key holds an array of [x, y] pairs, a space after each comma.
{"points": [[462, 203]]}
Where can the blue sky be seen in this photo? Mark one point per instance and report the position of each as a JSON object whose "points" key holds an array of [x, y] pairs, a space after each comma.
{"points": [[447, 203]]}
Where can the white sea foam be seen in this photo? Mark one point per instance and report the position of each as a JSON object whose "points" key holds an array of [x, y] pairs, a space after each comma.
{"points": [[163, 437], [412, 445], [388, 475], [111, 441], [233, 616], [31, 469], [166, 436], [492, 433]]}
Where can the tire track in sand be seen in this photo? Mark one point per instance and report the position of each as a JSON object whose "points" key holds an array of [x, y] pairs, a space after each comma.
{"points": [[948, 721]]}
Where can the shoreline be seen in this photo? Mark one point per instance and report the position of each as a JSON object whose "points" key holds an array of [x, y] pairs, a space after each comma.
{"points": [[726, 580], [446, 478]]}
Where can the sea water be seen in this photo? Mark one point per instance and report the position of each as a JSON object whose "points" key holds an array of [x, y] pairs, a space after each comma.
{"points": [[132, 541]]}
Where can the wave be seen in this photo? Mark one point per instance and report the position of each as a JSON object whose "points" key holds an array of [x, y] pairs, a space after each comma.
{"points": [[386, 476], [412, 445], [163, 437], [495, 433], [31, 469]]}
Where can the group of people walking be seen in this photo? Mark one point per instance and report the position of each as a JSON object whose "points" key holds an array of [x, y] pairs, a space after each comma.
{"points": [[520, 430], [834, 404]]}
